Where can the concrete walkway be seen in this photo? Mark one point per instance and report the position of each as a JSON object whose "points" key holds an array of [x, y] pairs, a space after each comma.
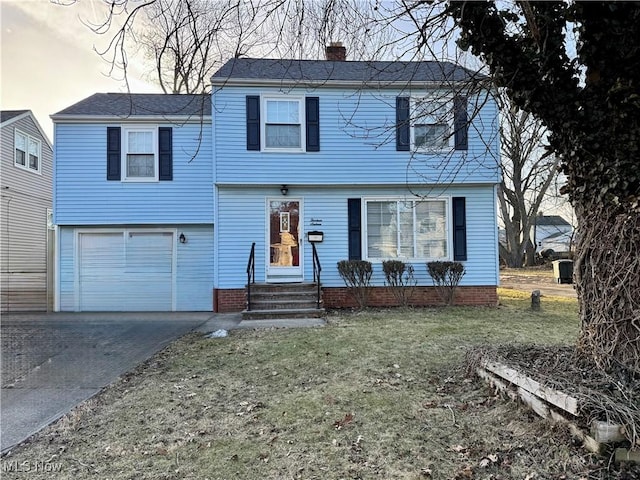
{"points": [[53, 362]]}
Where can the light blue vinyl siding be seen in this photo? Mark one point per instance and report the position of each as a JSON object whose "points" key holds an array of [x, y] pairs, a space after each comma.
{"points": [[83, 196], [193, 269], [241, 221], [357, 144], [194, 280]]}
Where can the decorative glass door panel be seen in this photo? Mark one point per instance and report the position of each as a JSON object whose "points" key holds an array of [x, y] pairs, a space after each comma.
{"points": [[284, 240]]}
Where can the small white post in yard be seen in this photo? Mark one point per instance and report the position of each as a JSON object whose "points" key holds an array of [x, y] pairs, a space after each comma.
{"points": [[535, 300]]}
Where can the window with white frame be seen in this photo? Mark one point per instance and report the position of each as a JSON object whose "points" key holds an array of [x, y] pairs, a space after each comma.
{"points": [[406, 229], [282, 125], [432, 122], [140, 156], [27, 151]]}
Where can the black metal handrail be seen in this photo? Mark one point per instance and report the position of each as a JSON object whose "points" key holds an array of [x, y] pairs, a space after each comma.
{"points": [[317, 268], [251, 273]]}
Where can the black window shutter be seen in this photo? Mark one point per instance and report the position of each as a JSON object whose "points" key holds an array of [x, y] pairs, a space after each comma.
{"points": [[312, 109], [460, 123], [253, 122], [459, 229], [165, 153], [114, 159], [402, 124], [355, 246]]}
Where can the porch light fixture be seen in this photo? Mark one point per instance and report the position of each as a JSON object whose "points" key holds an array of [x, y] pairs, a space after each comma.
{"points": [[284, 189], [182, 238]]}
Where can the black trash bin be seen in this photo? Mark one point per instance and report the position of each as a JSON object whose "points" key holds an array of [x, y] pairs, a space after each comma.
{"points": [[563, 271]]}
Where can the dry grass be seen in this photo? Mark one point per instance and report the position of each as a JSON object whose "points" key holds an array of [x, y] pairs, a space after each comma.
{"points": [[542, 271], [376, 394]]}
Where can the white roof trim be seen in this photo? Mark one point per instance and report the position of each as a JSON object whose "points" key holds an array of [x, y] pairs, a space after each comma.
{"points": [[244, 82], [75, 118]]}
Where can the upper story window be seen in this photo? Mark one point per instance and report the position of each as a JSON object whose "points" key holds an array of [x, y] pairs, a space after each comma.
{"points": [[406, 229], [140, 155], [27, 151], [283, 123], [432, 124]]}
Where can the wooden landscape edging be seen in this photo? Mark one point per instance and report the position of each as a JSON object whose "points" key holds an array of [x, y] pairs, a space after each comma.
{"points": [[559, 406], [554, 397]]}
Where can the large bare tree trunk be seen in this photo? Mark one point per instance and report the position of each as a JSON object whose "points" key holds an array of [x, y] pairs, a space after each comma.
{"points": [[607, 270], [530, 254]]}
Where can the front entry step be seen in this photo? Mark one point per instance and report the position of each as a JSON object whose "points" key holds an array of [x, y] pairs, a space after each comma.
{"points": [[283, 313], [284, 301]]}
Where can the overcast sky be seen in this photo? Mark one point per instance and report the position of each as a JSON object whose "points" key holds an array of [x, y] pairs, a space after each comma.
{"points": [[47, 59]]}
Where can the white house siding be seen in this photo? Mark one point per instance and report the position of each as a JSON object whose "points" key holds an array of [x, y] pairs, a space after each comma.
{"points": [[181, 282], [241, 221], [357, 144], [84, 196], [25, 197]]}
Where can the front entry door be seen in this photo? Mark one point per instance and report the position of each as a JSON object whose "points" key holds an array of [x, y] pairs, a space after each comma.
{"points": [[283, 241]]}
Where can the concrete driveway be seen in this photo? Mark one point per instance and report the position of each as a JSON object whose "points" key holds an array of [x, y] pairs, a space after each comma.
{"points": [[545, 283], [52, 362]]}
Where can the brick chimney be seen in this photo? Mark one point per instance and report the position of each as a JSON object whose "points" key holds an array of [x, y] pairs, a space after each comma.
{"points": [[336, 52]]}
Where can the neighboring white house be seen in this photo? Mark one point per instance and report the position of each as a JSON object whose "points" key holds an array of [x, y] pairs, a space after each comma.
{"points": [[26, 185], [552, 232]]}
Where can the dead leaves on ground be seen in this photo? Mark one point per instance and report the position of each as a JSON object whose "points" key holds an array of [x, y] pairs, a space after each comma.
{"points": [[347, 420], [249, 407]]}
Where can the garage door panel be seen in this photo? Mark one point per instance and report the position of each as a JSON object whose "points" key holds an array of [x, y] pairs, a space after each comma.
{"points": [[126, 271], [103, 252], [148, 253]]}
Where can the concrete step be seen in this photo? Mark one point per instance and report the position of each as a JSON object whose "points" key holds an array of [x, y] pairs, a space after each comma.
{"points": [[283, 313], [283, 303], [296, 301], [283, 323], [283, 287]]}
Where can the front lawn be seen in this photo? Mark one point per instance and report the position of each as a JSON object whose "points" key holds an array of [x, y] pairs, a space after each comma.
{"points": [[375, 394]]}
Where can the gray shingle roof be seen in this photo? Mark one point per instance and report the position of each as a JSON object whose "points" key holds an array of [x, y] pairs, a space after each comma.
{"points": [[6, 115], [140, 104], [551, 220], [337, 71]]}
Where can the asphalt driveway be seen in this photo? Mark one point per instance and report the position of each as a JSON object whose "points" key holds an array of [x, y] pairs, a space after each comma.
{"points": [[52, 362]]}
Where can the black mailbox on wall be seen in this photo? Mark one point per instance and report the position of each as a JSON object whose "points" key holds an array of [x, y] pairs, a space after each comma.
{"points": [[315, 236]]}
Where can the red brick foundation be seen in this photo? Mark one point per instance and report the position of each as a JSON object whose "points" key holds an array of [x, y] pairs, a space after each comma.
{"points": [[229, 300], [339, 297], [234, 300]]}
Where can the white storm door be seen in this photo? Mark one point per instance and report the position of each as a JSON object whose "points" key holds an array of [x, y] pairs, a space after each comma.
{"points": [[284, 256]]}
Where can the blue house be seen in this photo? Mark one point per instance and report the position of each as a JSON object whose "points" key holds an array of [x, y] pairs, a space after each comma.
{"points": [[177, 203]]}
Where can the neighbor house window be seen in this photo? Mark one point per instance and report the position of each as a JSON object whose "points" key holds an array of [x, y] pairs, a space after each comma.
{"points": [[432, 121], [140, 156], [27, 151], [407, 229], [283, 123]]}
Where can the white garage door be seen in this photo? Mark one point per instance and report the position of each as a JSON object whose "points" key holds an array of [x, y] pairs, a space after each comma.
{"points": [[126, 271]]}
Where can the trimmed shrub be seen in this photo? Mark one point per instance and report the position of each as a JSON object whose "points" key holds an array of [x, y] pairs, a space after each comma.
{"points": [[446, 276], [356, 275], [398, 276]]}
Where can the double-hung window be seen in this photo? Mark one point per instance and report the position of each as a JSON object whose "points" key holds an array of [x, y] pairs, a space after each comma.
{"points": [[27, 151], [140, 155], [432, 123], [415, 229], [283, 121]]}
